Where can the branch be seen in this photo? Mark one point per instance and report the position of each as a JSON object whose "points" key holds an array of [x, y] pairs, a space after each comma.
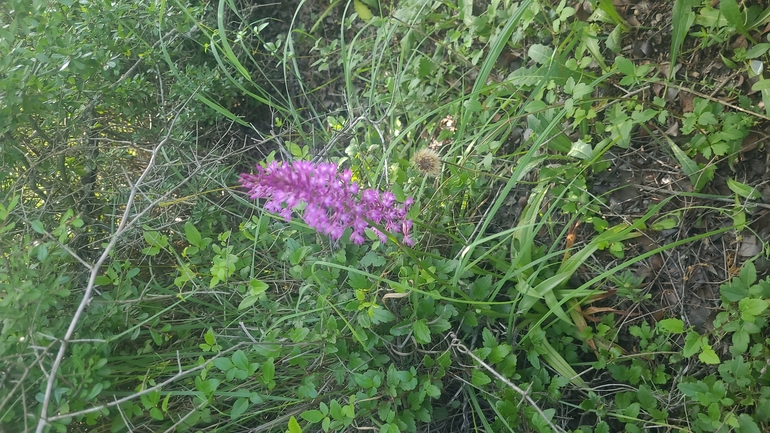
{"points": [[94, 272]]}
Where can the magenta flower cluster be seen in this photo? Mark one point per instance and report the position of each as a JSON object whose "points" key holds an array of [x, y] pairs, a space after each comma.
{"points": [[333, 202]]}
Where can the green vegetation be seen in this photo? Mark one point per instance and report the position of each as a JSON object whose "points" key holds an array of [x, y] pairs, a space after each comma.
{"points": [[589, 249]]}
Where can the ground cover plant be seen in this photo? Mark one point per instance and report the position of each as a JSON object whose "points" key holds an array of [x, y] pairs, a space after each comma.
{"points": [[407, 216]]}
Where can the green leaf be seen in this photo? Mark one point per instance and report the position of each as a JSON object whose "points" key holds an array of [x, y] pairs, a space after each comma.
{"points": [[692, 344], [192, 234], [155, 239], [625, 66], [692, 389], [102, 280], [608, 8], [761, 85], [297, 335], [155, 413], [581, 150], [752, 307], [248, 302], [540, 53], [381, 315], [743, 190], [741, 340], [689, 167], [268, 371], [673, 326], [239, 408], [312, 416], [479, 378], [664, 224], [372, 259], [164, 404], [708, 356], [223, 364], [682, 18], [733, 15], [472, 105], [362, 10], [257, 287], [209, 337], [425, 67], [294, 426], [580, 90], [37, 226], [646, 398], [747, 424], [733, 291], [240, 360], [421, 331]]}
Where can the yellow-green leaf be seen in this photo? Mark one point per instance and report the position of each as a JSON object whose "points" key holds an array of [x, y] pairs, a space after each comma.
{"points": [[362, 10], [294, 426]]}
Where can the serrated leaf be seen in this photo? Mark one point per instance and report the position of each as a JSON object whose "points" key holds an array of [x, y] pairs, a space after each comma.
{"points": [[372, 259], [746, 424], [425, 67], [625, 66], [581, 150], [646, 398], [297, 335], [421, 331], [540, 53], [580, 90], [708, 356], [381, 315], [753, 307], [479, 378], [472, 105], [733, 291]]}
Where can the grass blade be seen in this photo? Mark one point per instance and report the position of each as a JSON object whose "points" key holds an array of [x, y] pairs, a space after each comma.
{"points": [[683, 18]]}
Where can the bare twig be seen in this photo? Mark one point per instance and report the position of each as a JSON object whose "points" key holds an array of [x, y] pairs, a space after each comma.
{"points": [[125, 224]]}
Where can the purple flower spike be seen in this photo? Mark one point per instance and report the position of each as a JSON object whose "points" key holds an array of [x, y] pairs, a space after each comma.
{"points": [[333, 201]]}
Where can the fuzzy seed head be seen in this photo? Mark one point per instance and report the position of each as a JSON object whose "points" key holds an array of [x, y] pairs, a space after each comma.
{"points": [[427, 162]]}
